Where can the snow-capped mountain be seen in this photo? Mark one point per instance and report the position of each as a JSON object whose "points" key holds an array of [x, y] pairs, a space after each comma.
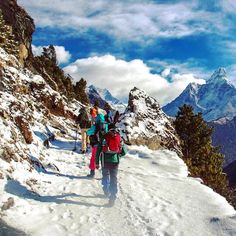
{"points": [[103, 96], [107, 96], [94, 96], [215, 99], [144, 123]]}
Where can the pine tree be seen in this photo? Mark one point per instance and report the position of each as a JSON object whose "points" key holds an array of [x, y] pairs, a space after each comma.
{"points": [[50, 53], [201, 157], [80, 91], [7, 39], [97, 103]]}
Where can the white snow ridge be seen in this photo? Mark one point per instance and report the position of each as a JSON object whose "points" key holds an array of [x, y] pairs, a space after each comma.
{"points": [[53, 197]]}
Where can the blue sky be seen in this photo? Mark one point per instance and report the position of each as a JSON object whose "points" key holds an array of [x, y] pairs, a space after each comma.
{"points": [[159, 46]]}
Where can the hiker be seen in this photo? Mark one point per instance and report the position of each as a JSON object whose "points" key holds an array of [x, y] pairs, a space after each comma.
{"points": [[116, 117], [93, 113], [95, 133], [93, 142], [109, 151], [84, 122], [108, 117], [101, 126]]}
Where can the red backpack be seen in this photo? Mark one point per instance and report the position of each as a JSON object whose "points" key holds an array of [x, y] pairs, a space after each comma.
{"points": [[113, 142]]}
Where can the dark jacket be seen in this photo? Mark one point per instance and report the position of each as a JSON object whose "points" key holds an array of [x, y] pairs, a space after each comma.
{"points": [[83, 119]]}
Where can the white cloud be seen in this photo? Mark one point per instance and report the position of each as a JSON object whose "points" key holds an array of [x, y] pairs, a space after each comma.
{"points": [[132, 20], [121, 76], [165, 72], [63, 56], [37, 50]]}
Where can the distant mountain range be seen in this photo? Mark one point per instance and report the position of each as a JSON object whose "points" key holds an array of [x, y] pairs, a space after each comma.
{"points": [[215, 99], [103, 96], [225, 136]]}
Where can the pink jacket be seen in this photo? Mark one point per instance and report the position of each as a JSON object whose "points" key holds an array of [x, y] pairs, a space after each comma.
{"points": [[92, 165]]}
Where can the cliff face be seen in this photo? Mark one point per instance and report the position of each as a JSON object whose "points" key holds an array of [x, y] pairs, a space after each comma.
{"points": [[144, 123], [22, 27]]}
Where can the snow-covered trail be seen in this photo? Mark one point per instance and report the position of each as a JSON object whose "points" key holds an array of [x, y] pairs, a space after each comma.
{"points": [[155, 198]]}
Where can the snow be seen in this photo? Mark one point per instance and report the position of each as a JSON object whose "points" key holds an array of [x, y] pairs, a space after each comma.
{"points": [[145, 118], [53, 196], [155, 197]]}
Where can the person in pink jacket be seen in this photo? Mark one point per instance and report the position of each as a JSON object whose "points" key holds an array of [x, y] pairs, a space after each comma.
{"points": [[93, 142]]}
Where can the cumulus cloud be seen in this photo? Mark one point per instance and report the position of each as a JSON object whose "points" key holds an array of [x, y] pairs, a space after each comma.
{"points": [[132, 20], [120, 76], [63, 56], [37, 50]]}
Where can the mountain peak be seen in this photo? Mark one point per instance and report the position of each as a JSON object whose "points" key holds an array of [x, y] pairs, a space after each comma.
{"points": [[215, 99], [155, 129], [218, 76]]}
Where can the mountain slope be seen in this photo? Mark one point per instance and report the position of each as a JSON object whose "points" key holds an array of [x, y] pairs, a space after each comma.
{"points": [[215, 99], [144, 123], [224, 135]]}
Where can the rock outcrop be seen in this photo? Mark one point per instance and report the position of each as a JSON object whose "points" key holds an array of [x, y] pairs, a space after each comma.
{"points": [[144, 123], [22, 27]]}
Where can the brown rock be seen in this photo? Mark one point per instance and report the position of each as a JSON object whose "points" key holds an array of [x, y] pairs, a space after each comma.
{"points": [[24, 128], [9, 203], [22, 26]]}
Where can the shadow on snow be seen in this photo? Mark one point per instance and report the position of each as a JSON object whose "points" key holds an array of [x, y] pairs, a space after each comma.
{"points": [[15, 188]]}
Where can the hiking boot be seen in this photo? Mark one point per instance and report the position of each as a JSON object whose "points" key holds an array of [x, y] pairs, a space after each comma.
{"points": [[92, 174]]}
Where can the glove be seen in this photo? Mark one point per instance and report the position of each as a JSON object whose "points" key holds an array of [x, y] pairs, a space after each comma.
{"points": [[97, 166]]}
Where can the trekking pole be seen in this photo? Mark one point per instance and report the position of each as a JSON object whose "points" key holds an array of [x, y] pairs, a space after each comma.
{"points": [[76, 133]]}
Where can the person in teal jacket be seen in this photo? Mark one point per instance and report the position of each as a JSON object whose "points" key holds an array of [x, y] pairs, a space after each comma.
{"points": [[109, 151]]}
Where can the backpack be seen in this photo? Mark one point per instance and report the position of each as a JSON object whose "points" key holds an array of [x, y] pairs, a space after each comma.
{"points": [[113, 142], [101, 126], [84, 119]]}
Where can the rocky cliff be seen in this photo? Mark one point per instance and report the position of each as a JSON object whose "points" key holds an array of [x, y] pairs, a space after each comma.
{"points": [[22, 26], [27, 102], [144, 123]]}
